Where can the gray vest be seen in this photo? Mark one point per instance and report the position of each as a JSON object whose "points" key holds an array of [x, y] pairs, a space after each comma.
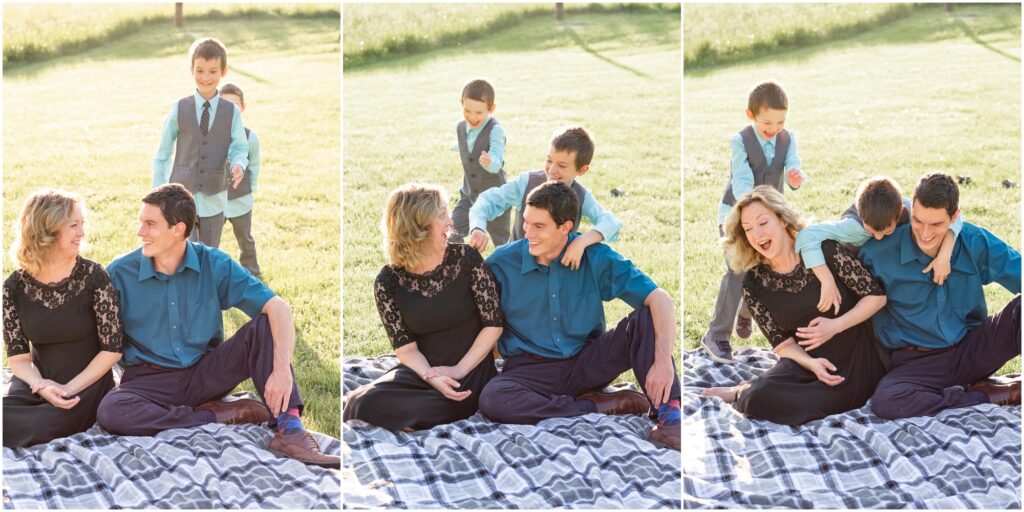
{"points": [[537, 178], [244, 186], [200, 161], [476, 179], [764, 173]]}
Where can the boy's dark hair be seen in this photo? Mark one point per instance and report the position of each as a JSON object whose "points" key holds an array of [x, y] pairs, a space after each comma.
{"points": [[575, 139], [479, 90], [879, 201], [208, 49], [938, 190], [175, 203], [767, 94], [558, 199], [233, 89]]}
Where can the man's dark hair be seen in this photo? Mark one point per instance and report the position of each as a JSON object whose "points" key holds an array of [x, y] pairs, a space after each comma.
{"points": [[575, 139], [479, 90], [175, 203], [938, 190], [879, 202], [208, 49], [767, 94], [558, 199]]}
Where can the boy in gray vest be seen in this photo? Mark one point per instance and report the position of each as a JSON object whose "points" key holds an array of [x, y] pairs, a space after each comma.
{"points": [[763, 153], [569, 157], [238, 209], [480, 140], [205, 134]]}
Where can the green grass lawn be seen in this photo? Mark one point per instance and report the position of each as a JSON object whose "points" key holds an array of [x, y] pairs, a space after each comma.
{"points": [[90, 123], [615, 74], [931, 92]]}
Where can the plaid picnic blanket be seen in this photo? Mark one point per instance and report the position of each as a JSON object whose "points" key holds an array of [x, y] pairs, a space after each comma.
{"points": [[209, 467], [962, 458], [592, 461]]}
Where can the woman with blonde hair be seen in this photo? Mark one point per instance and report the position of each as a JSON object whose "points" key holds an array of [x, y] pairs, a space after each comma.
{"points": [[828, 362], [439, 306], [62, 325]]}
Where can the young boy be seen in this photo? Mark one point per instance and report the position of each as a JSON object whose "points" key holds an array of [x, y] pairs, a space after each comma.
{"points": [[569, 157], [238, 208], [481, 145], [878, 209], [204, 133], [763, 153]]}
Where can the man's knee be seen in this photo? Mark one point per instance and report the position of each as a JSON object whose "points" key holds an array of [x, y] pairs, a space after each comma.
{"points": [[890, 402], [115, 411], [496, 400]]}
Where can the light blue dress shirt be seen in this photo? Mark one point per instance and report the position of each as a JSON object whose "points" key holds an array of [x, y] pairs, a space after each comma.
{"points": [[207, 205], [919, 312], [494, 201], [847, 231], [742, 176], [242, 205], [550, 311], [172, 320], [497, 147]]}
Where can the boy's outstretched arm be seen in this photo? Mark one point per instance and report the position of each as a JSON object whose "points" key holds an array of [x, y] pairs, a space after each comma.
{"points": [[165, 151], [491, 203], [606, 227], [940, 265], [793, 163], [238, 150], [496, 152]]}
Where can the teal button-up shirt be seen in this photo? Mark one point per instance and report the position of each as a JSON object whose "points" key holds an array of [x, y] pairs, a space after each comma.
{"points": [[919, 312], [550, 311]]}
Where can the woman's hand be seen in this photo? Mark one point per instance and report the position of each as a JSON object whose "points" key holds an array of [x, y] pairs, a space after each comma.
{"points": [[447, 386], [444, 371], [57, 395], [817, 332], [42, 383], [821, 367]]}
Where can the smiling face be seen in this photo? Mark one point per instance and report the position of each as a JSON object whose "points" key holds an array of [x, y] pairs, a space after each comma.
{"points": [[765, 231], [768, 122], [561, 166], [929, 226], [439, 228], [157, 237], [70, 234], [545, 238], [207, 74], [475, 112]]}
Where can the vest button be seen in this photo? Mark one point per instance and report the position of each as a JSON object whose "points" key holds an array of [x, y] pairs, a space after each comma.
{"points": [[202, 157]]}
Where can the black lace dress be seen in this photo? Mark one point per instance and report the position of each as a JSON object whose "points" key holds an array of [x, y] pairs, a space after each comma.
{"points": [[66, 324], [780, 303], [442, 311]]}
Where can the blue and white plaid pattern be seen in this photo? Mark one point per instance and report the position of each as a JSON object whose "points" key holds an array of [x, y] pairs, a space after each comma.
{"points": [[962, 458], [593, 461]]}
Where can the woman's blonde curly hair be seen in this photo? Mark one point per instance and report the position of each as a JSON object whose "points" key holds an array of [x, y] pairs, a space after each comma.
{"points": [[741, 255], [406, 224], [38, 227]]}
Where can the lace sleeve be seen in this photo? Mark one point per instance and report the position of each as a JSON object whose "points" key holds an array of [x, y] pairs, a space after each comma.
{"points": [[765, 321], [485, 290], [14, 338], [390, 316], [106, 305], [849, 269]]}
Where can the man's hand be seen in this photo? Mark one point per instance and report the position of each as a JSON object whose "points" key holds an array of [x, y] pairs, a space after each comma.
{"points": [[57, 395], [794, 178], [478, 239], [821, 367], [236, 175], [447, 386], [278, 390], [573, 254], [659, 381], [817, 332], [485, 159]]}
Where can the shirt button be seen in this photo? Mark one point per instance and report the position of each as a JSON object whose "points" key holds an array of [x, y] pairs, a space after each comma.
{"points": [[174, 327], [553, 295], [172, 303], [554, 318]]}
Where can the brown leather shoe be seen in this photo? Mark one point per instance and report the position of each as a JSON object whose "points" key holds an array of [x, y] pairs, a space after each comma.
{"points": [[666, 436], [618, 402], [302, 447], [999, 391], [239, 410]]}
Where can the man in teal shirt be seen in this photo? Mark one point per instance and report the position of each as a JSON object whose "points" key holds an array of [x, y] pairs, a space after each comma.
{"points": [[942, 339]]}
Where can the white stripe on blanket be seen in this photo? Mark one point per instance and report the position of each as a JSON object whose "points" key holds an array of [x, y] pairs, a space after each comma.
{"points": [[592, 461], [962, 458]]}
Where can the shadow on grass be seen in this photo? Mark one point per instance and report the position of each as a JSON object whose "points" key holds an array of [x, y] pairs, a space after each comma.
{"points": [[959, 22], [583, 45]]}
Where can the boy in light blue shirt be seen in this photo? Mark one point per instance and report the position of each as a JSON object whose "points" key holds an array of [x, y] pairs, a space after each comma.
{"points": [[203, 133], [238, 209], [878, 209], [568, 158], [763, 153]]}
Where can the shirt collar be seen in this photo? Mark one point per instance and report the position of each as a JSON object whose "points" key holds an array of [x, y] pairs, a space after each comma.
{"points": [[191, 260], [909, 251], [530, 262], [213, 101], [762, 141], [478, 128]]}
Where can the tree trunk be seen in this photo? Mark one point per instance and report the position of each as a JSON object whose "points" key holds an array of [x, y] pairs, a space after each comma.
{"points": [[177, 14], [559, 11]]}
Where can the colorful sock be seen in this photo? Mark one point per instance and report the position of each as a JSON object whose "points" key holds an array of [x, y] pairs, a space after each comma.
{"points": [[668, 413], [289, 423]]}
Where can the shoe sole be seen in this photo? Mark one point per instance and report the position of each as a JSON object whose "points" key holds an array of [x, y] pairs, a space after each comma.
{"points": [[714, 357], [306, 462]]}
